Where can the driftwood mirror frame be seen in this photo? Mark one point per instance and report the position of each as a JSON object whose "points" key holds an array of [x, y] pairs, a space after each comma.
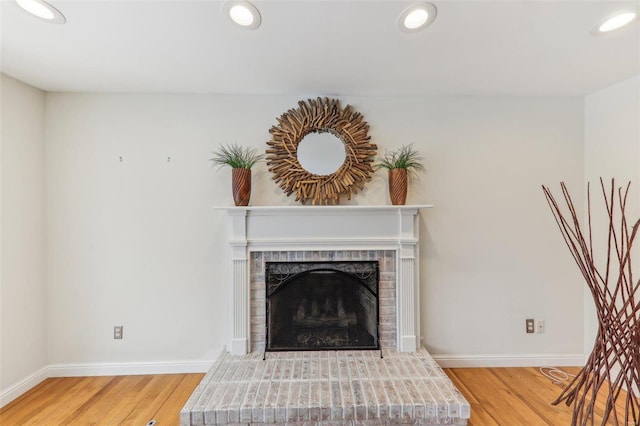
{"points": [[321, 115]]}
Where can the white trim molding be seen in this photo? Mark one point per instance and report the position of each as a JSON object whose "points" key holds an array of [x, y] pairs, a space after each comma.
{"points": [[509, 360], [318, 228], [128, 368]]}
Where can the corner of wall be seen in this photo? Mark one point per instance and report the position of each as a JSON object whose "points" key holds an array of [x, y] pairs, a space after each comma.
{"points": [[23, 355], [612, 150]]}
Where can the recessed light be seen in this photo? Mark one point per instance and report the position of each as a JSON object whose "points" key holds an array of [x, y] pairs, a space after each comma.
{"points": [[42, 10], [417, 17], [615, 21], [243, 14]]}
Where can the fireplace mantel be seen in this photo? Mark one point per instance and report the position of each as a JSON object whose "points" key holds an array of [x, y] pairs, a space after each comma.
{"points": [[317, 228]]}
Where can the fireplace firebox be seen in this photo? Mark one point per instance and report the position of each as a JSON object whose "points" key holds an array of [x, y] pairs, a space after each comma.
{"points": [[322, 305]]}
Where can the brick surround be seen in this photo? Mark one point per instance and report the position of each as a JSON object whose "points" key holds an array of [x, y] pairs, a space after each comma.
{"points": [[387, 288]]}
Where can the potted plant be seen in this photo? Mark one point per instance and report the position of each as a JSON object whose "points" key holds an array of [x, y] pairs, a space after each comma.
{"points": [[400, 163], [241, 160]]}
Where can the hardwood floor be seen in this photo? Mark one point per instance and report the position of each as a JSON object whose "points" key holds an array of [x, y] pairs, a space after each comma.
{"points": [[498, 396], [120, 400], [517, 396]]}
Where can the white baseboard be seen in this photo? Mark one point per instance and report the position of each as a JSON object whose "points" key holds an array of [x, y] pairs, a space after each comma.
{"points": [[102, 369], [24, 385], [128, 368], [533, 360]]}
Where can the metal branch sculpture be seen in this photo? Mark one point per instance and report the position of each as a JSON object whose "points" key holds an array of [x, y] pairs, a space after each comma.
{"points": [[617, 301]]}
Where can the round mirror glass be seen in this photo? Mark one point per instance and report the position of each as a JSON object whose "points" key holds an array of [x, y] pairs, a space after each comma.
{"points": [[321, 153]]}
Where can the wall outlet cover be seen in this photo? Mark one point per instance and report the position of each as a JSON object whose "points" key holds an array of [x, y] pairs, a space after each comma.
{"points": [[529, 324]]}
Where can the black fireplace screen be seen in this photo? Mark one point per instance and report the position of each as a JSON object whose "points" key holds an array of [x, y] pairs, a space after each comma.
{"points": [[322, 305]]}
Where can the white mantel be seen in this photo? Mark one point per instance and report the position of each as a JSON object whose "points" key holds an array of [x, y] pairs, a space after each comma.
{"points": [[315, 228]]}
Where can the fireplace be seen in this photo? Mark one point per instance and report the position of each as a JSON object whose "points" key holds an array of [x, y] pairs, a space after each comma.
{"points": [[261, 234], [322, 305], [345, 253]]}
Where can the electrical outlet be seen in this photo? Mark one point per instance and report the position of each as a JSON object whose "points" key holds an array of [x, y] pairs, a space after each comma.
{"points": [[540, 326], [529, 324], [117, 331]]}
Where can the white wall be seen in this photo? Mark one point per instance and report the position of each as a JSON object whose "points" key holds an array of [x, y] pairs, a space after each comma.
{"points": [[612, 150], [137, 243], [493, 255], [23, 348]]}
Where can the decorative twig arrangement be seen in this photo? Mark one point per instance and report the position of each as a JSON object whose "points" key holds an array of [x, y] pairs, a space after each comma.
{"points": [[320, 115], [617, 301]]}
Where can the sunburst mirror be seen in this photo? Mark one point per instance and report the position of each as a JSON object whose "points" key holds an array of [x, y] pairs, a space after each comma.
{"points": [[307, 172]]}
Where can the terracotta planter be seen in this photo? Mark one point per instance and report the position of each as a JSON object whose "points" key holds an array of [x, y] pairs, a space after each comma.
{"points": [[241, 186], [398, 181]]}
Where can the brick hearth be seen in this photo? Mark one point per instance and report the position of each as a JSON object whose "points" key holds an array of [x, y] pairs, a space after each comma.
{"points": [[337, 388]]}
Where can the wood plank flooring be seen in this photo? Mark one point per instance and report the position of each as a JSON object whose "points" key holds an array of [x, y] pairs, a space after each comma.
{"points": [[107, 400], [498, 396], [517, 396]]}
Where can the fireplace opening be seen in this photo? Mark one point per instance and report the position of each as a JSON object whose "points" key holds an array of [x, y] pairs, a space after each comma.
{"points": [[322, 305]]}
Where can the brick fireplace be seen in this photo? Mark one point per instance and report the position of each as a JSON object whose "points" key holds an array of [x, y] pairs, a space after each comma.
{"points": [[398, 385], [388, 234]]}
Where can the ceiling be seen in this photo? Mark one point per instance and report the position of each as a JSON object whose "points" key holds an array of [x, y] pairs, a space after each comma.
{"points": [[320, 47]]}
